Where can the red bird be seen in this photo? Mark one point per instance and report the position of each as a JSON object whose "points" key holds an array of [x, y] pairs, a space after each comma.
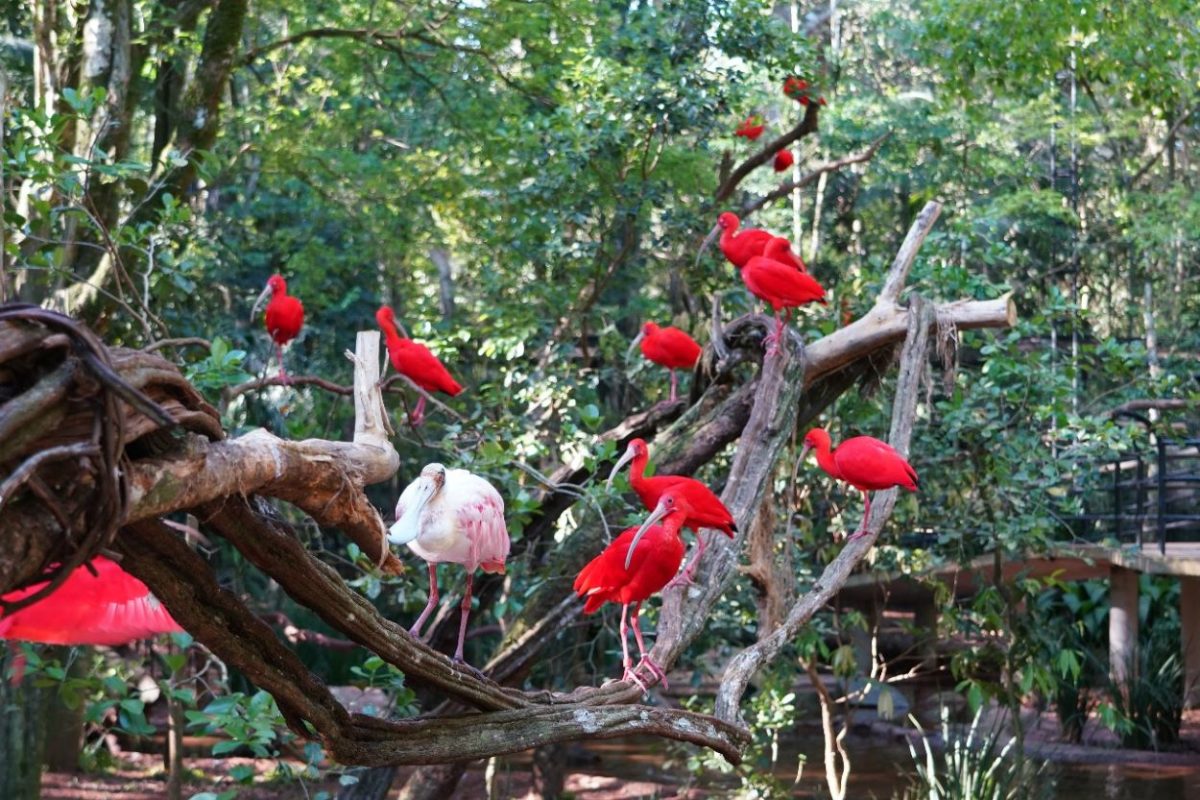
{"points": [[864, 462], [783, 160], [668, 347], [414, 360], [741, 247], [284, 317], [751, 128], [704, 509], [624, 574], [109, 608], [783, 288], [797, 89]]}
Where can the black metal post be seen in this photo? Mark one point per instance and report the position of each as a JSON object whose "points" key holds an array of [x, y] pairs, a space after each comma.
{"points": [[1162, 497]]}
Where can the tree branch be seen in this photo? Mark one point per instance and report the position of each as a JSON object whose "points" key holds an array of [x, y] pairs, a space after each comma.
{"points": [[787, 187], [806, 126], [745, 664]]}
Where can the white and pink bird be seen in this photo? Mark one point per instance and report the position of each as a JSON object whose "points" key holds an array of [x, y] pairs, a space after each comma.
{"points": [[452, 516]]}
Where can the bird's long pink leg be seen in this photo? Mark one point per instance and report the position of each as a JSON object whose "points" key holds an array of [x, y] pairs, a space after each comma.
{"points": [[465, 607], [630, 673], [649, 662], [283, 376], [773, 339], [862, 529], [415, 630], [418, 414], [674, 385], [687, 577]]}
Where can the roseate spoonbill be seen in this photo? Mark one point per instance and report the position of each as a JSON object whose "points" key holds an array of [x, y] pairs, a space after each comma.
{"points": [[451, 516], [284, 317], [783, 160], [668, 347], [625, 574], [751, 128], [864, 462], [783, 288], [741, 247], [110, 607], [704, 509], [416, 361]]}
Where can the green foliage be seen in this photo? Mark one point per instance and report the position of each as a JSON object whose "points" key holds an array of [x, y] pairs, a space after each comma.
{"points": [[974, 767]]}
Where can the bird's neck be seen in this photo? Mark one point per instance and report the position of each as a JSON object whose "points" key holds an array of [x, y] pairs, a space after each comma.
{"points": [[727, 236], [826, 462], [637, 469], [390, 333]]}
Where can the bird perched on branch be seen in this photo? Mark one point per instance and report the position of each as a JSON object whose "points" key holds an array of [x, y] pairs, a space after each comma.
{"points": [[284, 317], [751, 128], [783, 288], [703, 508], [783, 160], [864, 462], [415, 361], [97, 604], [740, 247], [668, 347], [452, 516], [628, 574]]}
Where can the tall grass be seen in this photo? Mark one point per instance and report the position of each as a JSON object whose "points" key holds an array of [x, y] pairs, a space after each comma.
{"points": [[973, 767]]}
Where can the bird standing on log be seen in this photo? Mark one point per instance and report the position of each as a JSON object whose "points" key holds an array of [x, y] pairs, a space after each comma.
{"points": [[864, 462], [703, 508], [284, 317], [668, 347], [626, 574], [452, 516], [414, 360]]}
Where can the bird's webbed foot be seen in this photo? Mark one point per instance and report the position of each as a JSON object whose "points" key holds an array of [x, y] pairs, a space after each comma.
{"points": [[631, 675], [462, 664]]}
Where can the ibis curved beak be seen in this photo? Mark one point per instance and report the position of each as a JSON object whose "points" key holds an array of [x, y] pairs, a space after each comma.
{"points": [[622, 461], [636, 341], [262, 298], [804, 452], [708, 240], [408, 524], [660, 511]]}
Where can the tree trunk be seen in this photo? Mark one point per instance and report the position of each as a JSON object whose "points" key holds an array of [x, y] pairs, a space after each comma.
{"points": [[549, 771], [22, 733], [373, 784], [64, 725], [434, 782]]}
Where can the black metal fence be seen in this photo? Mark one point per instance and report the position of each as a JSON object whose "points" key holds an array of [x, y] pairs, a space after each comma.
{"points": [[1152, 495]]}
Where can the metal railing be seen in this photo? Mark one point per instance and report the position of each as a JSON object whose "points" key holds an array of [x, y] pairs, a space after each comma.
{"points": [[1153, 493]]}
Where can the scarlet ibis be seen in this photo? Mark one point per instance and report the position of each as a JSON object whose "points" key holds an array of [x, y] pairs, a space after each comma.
{"points": [[783, 288], [751, 128], [741, 247], [704, 509], [783, 160], [109, 608], [452, 516], [797, 89], [416, 361], [284, 317], [864, 462], [626, 574], [668, 347]]}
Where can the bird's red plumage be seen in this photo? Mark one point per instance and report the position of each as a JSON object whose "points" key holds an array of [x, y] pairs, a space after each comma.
{"points": [[415, 360], [707, 510], [868, 464], [740, 247], [751, 128], [669, 347], [284, 318], [783, 160], [780, 285], [654, 563], [109, 608]]}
